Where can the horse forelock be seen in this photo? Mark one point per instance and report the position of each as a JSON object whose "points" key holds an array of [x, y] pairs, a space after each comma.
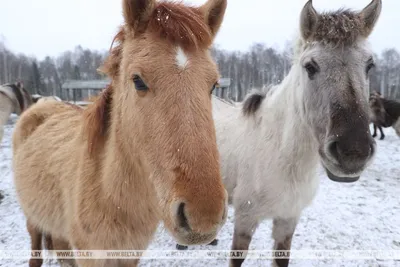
{"points": [[181, 25], [342, 27]]}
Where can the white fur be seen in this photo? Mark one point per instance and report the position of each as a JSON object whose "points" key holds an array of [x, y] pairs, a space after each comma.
{"points": [[6, 108], [9, 104], [269, 161], [181, 58], [396, 127], [7, 92], [47, 98]]}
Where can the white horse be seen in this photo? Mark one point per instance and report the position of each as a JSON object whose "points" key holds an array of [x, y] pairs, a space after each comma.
{"points": [[271, 147], [396, 127], [13, 99]]}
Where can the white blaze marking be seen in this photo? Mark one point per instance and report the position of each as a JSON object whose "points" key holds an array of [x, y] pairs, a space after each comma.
{"points": [[181, 58]]}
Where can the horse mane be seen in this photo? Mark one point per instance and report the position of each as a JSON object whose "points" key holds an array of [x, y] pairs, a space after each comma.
{"points": [[338, 28], [97, 119], [392, 107], [27, 96], [18, 94], [111, 64], [253, 102]]}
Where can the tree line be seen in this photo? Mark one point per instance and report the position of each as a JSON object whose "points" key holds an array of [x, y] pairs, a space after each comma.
{"points": [[46, 76], [255, 68]]}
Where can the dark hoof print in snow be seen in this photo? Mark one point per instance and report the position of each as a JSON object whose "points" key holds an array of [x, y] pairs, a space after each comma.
{"points": [[1, 196], [214, 242], [181, 247]]}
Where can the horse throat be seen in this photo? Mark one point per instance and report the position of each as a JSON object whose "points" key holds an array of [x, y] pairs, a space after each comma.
{"points": [[296, 139], [124, 169]]}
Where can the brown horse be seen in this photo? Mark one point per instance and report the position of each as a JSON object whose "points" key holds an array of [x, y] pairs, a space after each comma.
{"points": [[144, 151], [378, 115], [384, 113]]}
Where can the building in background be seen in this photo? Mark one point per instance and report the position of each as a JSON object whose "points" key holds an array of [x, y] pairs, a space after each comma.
{"points": [[76, 91]]}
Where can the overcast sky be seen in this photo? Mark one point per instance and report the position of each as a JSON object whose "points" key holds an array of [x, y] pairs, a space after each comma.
{"points": [[49, 27]]}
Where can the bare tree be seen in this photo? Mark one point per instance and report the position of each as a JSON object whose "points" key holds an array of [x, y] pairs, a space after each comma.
{"points": [[259, 67]]}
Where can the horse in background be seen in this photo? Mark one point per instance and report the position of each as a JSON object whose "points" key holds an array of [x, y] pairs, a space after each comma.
{"points": [[384, 113], [145, 151], [392, 108], [14, 98], [39, 99], [378, 117], [272, 147], [36, 98]]}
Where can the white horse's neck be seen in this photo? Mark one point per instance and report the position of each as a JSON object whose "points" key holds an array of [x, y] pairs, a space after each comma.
{"points": [[8, 92], [6, 108], [282, 112]]}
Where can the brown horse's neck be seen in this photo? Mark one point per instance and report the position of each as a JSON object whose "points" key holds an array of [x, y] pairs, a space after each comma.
{"points": [[124, 178]]}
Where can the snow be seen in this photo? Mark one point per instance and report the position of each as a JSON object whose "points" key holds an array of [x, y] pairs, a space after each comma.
{"points": [[80, 103], [358, 216]]}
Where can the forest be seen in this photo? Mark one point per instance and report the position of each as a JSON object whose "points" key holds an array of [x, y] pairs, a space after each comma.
{"points": [[256, 68]]}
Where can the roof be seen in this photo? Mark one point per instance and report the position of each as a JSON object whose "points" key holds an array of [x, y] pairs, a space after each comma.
{"points": [[80, 84], [101, 84], [224, 82]]}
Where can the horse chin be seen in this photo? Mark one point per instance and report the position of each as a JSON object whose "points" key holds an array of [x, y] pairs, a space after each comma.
{"points": [[194, 239], [189, 237], [341, 179]]}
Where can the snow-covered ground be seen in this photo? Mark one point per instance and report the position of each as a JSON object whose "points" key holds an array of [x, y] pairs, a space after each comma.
{"points": [[359, 216]]}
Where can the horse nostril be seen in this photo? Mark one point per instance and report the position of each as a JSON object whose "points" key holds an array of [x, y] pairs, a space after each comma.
{"points": [[182, 219], [333, 150]]}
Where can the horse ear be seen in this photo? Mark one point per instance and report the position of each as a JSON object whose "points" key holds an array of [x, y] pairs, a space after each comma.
{"points": [[19, 85], [308, 20], [370, 15], [214, 12], [137, 13]]}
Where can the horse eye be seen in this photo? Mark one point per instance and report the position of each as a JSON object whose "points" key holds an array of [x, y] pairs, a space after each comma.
{"points": [[139, 84], [311, 69], [370, 66], [214, 86]]}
